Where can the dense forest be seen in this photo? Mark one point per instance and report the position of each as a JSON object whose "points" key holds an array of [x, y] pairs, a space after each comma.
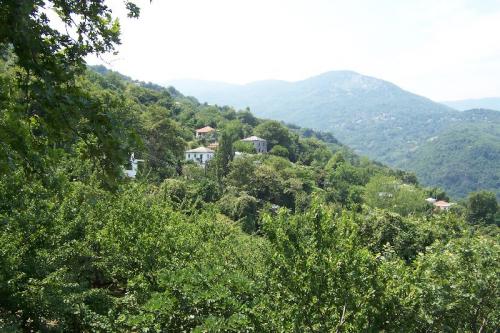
{"points": [[309, 237]]}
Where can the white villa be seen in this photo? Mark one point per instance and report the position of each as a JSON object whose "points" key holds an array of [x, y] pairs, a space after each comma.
{"points": [[259, 143], [200, 155]]}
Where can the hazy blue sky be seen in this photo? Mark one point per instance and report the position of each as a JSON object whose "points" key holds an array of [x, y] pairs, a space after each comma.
{"points": [[442, 49]]}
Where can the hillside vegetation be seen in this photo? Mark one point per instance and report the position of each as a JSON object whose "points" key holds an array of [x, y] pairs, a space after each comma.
{"points": [[375, 118], [465, 157], [306, 238]]}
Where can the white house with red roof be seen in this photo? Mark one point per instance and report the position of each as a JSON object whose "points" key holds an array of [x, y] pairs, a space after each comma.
{"points": [[443, 205], [204, 132]]}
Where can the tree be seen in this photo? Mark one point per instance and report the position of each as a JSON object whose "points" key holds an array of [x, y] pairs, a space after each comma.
{"points": [[240, 207], [313, 152], [311, 256], [49, 53], [223, 156], [163, 141], [244, 147], [246, 117], [275, 134], [438, 194], [391, 194], [56, 106], [242, 173], [482, 207], [279, 150], [335, 161], [457, 286]]}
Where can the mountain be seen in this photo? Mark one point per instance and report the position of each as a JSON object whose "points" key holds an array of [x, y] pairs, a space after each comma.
{"points": [[492, 103], [374, 117]]}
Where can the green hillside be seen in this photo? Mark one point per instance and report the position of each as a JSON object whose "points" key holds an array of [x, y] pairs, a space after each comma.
{"points": [[307, 237], [465, 157], [374, 117]]}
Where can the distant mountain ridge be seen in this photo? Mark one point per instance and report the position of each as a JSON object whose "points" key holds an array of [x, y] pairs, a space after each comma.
{"points": [[492, 103], [360, 110], [374, 117]]}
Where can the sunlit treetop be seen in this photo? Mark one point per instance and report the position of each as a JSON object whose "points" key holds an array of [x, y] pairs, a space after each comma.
{"points": [[51, 38]]}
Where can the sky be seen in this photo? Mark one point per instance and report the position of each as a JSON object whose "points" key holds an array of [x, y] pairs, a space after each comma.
{"points": [[441, 49]]}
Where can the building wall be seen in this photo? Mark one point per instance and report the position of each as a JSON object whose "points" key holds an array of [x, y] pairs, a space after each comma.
{"points": [[260, 146], [209, 135], [200, 158]]}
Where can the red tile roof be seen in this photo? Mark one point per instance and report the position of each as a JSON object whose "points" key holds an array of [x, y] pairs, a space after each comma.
{"points": [[206, 129], [442, 203], [200, 150]]}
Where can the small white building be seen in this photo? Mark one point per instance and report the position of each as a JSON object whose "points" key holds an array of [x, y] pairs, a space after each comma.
{"points": [[259, 143], [135, 166], [200, 155], [443, 205]]}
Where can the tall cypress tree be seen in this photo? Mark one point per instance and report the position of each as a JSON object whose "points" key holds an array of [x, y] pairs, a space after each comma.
{"points": [[224, 155]]}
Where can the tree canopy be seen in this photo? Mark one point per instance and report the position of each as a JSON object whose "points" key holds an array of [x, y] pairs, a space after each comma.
{"points": [[308, 238]]}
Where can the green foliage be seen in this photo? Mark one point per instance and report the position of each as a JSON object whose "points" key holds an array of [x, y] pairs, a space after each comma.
{"points": [[275, 134], [389, 193], [260, 243], [246, 117], [225, 154], [88, 263], [482, 207], [406, 236], [48, 100], [465, 157], [244, 147], [163, 141], [313, 152], [457, 286], [242, 207], [320, 277], [279, 150], [458, 151]]}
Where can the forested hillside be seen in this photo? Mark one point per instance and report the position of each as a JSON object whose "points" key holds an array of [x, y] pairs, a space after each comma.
{"points": [[465, 157], [306, 238], [375, 118]]}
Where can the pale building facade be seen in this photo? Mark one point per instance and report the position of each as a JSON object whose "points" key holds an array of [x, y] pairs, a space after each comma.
{"points": [[200, 155], [259, 143]]}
